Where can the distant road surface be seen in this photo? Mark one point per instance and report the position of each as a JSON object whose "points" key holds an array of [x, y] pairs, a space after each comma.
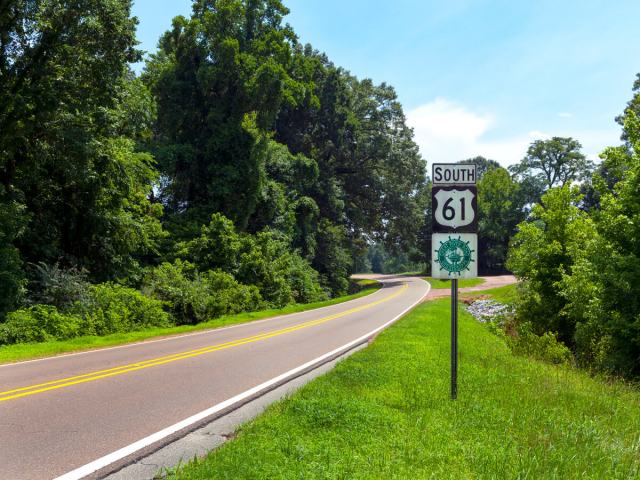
{"points": [[88, 413]]}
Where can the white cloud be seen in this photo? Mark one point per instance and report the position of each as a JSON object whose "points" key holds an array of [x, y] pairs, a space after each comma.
{"points": [[446, 120], [446, 131], [565, 115]]}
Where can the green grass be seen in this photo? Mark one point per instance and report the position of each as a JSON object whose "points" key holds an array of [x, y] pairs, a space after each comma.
{"points": [[506, 294], [415, 273], [25, 351], [385, 413], [463, 283], [365, 282]]}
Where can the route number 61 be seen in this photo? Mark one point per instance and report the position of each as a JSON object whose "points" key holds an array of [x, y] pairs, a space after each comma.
{"points": [[454, 209]]}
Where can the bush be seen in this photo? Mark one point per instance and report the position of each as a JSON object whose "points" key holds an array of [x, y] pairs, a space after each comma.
{"points": [[265, 260], [544, 347], [217, 248], [540, 257], [227, 296], [118, 309], [12, 278], [304, 281], [59, 287], [282, 276], [333, 259], [173, 284], [109, 308], [39, 323], [193, 297]]}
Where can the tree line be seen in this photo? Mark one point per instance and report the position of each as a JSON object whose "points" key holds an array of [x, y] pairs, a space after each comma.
{"points": [[240, 170], [244, 170], [578, 256]]}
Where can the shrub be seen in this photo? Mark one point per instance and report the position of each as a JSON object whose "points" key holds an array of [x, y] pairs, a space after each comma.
{"points": [[544, 347], [227, 296], [282, 276], [217, 247], [333, 259], [263, 264], [304, 281], [115, 308], [265, 260], [194, 297], [12, 278], [173, 284], [39, 323], [540, 256], [59, 287]]}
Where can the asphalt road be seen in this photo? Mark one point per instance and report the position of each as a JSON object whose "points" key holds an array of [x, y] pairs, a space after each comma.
{"points": [[76, 413]]}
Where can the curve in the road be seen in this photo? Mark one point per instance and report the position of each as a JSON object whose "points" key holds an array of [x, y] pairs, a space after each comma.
{"points": [[132, 367], [80, 413]]}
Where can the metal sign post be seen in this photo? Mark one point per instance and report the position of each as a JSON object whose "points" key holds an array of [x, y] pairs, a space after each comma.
{"points": [[454, 243], [454, 339]]}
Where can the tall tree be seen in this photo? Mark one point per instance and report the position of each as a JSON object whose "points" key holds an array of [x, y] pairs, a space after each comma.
{"points": [[68, 127], [633, 105], [540, 256], [554, 162], [220, 79], [371, 174], [483, 165], [501, 209], [270, 133]]}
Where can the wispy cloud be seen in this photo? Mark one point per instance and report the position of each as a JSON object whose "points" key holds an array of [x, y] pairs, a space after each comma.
{"points": [[565, 115], [447, 131]]}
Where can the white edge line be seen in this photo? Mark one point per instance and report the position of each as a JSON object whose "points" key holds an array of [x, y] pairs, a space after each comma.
{"points": [[102, 462], [170, 337]]}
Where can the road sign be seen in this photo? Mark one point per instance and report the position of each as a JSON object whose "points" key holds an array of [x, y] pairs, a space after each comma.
{"points": [[454, 255], [455, 209], [454, 243], [454, 174]]}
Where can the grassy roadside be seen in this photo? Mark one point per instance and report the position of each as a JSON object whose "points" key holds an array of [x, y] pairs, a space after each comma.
{"points": [[385, 413], [26, 351], [462, 283], [506, 294], [437, 284]]}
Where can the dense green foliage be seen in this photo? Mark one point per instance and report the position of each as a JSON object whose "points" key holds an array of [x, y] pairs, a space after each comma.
{"points": [[26, 351], [501, 207], [240, 171], [194, 297], [269, 133], [540, 257], [108, 308], [580, 261], [243, 170], [68, 117], [264, 259]]}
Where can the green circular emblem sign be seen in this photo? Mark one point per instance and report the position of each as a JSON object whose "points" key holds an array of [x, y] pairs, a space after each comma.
{"points": [[454, 256]]}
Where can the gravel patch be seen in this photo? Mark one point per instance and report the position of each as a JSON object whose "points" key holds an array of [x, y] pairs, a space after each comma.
{"points": [[487, 310]]}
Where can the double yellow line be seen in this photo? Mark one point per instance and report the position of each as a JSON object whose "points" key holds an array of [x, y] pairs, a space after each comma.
{"points": [[132, 367]]}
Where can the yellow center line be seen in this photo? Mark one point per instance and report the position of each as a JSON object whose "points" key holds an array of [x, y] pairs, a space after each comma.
{"points": [[132, 367]]}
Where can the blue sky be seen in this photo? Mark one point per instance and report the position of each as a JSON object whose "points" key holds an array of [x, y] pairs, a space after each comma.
{"points": [[476, 77]]}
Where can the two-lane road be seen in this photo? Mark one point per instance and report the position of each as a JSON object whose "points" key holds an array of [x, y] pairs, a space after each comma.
{"points": [[78, 413]]}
